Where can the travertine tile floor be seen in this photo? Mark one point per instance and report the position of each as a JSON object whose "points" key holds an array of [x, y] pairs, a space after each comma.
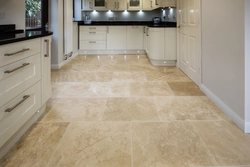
{"points": [[120, 111]]}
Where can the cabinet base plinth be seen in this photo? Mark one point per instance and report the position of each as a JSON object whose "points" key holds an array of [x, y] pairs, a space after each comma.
{"points": [[162, 62]]}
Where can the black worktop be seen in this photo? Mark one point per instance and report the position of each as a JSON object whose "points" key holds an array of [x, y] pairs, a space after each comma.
{"points": [[8, 38], [128, 23]]}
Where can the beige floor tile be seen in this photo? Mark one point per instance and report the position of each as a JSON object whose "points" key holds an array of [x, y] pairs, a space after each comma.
{"points": [[82, 77], [166, 76], [94, 145], [142, 67], [114, 68], [70, 110], [86, 68], [150, 89], [37, 147], [108, 89], [185, 89], [214, 108], [129, 77], [130, 109], [70, 89], [169, 144], [227, 143], [183, 108]]}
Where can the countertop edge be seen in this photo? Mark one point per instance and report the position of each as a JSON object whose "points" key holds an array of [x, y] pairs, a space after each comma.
{"points": [[13, 40]]}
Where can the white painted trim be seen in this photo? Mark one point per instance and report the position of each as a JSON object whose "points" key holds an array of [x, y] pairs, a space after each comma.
{"points": [[247, 127], [225, 108], [58, 66]]}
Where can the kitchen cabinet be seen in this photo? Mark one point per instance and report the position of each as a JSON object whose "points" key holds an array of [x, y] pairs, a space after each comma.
{"points": [[117, 5], [135, 37], [134, 5], [168, 3], [46, 71], [93, 37], [150, 4], [87, 5], [116, 37], [25, 87], [100, 5], [161, 46], [170, 44], [156, 43]]}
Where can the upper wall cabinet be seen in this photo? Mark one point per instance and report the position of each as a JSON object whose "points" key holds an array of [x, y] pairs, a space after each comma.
{"points": [[150, 4], [87, 5], [168, 3], [134, 4], [100, 5], [118, 5]]}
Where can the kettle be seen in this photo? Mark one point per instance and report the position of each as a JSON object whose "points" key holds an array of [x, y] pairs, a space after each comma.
{"points": [[87, 17], [156, 20]]}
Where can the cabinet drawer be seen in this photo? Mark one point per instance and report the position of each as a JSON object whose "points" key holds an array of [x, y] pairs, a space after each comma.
{"points": [[93, 35], [16, 51], [18, 76], [93, 28], [93, 45], [11, 121]]}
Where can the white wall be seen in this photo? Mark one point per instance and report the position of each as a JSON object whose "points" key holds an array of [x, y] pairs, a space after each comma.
{"points": [[14, 12], [223, 55], [247, 61]]}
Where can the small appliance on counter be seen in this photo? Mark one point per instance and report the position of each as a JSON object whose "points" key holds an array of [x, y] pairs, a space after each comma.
{"points": [[87, 20], [156, 20]]}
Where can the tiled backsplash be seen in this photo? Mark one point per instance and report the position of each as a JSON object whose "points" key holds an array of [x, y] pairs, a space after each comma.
{"points": [[169, 13]]}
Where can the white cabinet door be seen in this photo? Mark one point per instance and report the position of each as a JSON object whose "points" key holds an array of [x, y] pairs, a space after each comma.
{"points": [[170, 44], [147, 5], [116, 37], [46, 68], [134, 5], [156, 43], [121, 5], [87, 5], [111, 4], [167, 3], [100, 5], [135, 37]]}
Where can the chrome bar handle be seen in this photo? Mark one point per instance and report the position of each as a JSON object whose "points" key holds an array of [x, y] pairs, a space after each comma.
{"points": [[11, 54], [90, 5], [10, 71], [20, 102], [156, 2], [47, 48]]}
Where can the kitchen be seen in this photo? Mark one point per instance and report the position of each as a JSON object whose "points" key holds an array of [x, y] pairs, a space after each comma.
{"points": [[217, 55]]}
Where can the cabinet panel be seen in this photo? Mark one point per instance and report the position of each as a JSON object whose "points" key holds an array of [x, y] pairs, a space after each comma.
{"points": [[93, 45], [93, 35], [170, 44], [11, 121], [87, 5], [135, 37], [156, 43], [93, 28], [18, 76], [17, 51], [116, 37], [167, 3]]}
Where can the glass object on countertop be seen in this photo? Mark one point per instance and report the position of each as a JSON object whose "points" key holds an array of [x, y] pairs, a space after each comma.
{"points": [[134, 3], [99, 3]]}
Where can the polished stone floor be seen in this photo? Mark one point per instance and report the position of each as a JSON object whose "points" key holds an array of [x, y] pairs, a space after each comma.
{"points": [[120, 111]]}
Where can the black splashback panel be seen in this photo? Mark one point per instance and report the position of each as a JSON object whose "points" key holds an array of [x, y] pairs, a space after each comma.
{"points": [[7, 27]]}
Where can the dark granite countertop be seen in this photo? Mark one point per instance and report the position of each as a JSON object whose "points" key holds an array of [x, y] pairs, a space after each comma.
{"points": [[128, 23], [11, 38]]}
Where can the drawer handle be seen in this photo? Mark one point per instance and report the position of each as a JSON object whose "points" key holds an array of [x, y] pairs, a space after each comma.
{"points": [[92, 28], [20, 102], [92, 42], [92, 32], [11, 54], [10, 71], [47, 48]]}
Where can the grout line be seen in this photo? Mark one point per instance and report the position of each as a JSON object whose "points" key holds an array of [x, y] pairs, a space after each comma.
{"points": [[58, 145], [216, 163], [131, 144]]}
